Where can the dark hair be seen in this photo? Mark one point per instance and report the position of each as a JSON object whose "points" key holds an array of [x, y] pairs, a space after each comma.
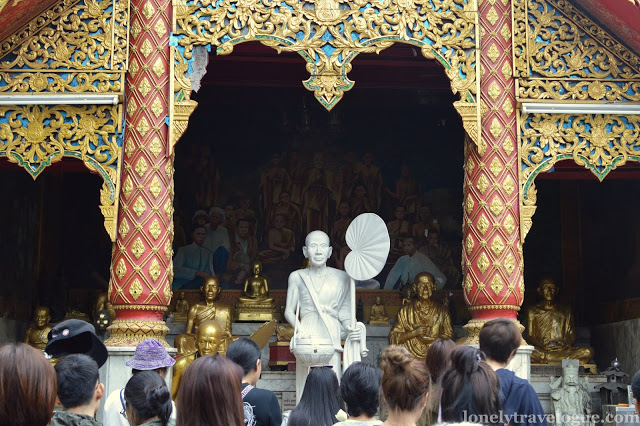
{"points": [[499, 338], [147, 394], [195, 226], [27, 386], [319, 402], [242, 219], [360, 389], [470, 386], [163, 370], [405, 380], [635, 385], [220, 379], [244, 352], [438, 358], [77, 378]]}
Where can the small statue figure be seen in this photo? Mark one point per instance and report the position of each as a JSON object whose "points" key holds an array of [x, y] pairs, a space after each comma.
{"points": [[551, 329], [103, 304], [102, 321], [208, 341], [182, 309], [570, 398], [378, 314], [209, 310], [255, 304], [421, 321], [37, 334], [284, 332]]}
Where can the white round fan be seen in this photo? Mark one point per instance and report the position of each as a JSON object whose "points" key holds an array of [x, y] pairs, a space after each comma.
{"points": [[368, 239]]}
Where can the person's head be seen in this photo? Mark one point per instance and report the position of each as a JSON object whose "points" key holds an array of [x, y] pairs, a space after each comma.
{"points": [[275, 159], [42, 316], [367, 158], [317, 248], [242, 227], [360, 389], [198, 234], [404, 171], [433, 239], [547, 289], [344, 209], [424, 284], [256, 267], [438, 358], [200, 217], [151, 355], [400, 212], [405, 380], [208, 337], [319, 402], [500, 339], [318, 160], [228, 211], [27, 385], [570, 377], [220, 379], [147, 396], [79, 387], [378, 300], [284, 197], [278, 221], [216, 217], [425, 213], [246, 353], [210, 289], [409, 246], [76, 337], [361, 191], [470, 386], [635, 388]]}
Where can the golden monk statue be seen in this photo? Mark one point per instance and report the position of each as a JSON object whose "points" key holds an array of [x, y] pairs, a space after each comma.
{"points": [[378, 315], [37, 335], [182, 309], [208, 341], [551, 329], [255, 304], [209, 310], [422, 321]]}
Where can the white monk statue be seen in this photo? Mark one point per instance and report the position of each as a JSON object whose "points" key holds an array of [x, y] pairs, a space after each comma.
{"points": [[321, 308]]}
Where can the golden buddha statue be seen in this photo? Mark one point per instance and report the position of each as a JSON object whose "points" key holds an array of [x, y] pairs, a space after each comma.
{"points": [[209, 310], [551, 329], [37, 334], [182, 309], [422, 321], [255, 304], [208, 341], [378, 315]]}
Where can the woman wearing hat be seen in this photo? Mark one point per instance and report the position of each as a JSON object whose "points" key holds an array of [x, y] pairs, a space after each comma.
{"points": [[150, 355]]}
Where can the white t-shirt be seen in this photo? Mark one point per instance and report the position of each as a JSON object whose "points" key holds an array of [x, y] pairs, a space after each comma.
{"points": [[113, 406]]}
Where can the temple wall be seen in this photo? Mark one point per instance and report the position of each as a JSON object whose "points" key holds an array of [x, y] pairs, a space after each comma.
{"points": [[619, 339]]}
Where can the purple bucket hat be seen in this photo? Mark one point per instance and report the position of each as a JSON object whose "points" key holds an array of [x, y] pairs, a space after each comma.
{"points": [[150, 355]]}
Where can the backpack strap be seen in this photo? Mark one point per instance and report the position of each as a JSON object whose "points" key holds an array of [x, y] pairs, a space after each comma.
{"points": [[246, 390]]}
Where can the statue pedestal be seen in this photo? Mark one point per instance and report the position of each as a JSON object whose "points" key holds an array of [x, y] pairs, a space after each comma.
{"points": [[115, 374], [257, 313]]}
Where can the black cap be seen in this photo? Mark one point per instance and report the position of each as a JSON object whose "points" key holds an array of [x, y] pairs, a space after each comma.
{"points": [[76, 337]]}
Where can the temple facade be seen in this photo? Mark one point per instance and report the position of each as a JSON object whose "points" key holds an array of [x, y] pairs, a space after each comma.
{"points": [[537, 85]]}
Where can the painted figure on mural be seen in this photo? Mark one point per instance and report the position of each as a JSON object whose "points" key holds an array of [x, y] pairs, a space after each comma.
{"points": [[411, 264], [441, 256], [360, 202], [338, 235], [552, 330], [372, 180], [230, 219], [397, 229], [37, 334], [407, 192], [246, 212], [209, 179], [424, 225], [349, 176], [297, 173], [316, 195], [217, 240], [280, 240], [422, 321], [193, 263], [290, 212], [244, 250], [273, 180]]}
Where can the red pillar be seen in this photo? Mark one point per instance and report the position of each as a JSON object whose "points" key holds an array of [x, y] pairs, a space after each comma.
{"points": [[492, 254], [141, 268]]}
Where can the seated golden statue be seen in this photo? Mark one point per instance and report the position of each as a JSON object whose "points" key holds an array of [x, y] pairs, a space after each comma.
{"points": [[37, 334], [255, 304], [378, 315], [281, 242], [182, 309], [208, 340], [422, 321], [209, 310], [551, 329]]}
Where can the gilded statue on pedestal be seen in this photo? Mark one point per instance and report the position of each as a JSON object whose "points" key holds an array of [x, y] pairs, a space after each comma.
{"points": [[551, 329], [255, 304], [378, 315], [208, 340], [200, 312], [182, 309], [570, 398], [422, 321], [37, 334]]}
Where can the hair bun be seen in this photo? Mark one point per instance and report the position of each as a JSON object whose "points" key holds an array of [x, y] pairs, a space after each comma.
{"points": [[395, 359], [158, 396]]}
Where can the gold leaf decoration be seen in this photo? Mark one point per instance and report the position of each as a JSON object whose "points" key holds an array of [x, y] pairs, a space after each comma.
{"points": [[482, 184], [148, 10], [129, 147], [160, 28], [145, 87], [155, 146], [139, 207], [127, 187], [154, 229], [508, 185], [469, 244], [508, 145], [494, 90], [495, 166], [505, 33], [510, 263], [509, 224], [168, 250], [158, 68], [143, 126], [155, 187], [483, 224], [132, 107], [154, 270], [469, 204], [137, 248], [124, 228], [497, 245], [121, 269], [497, 285], [492, 16], [136, 29], [468, 284], [496, 128], [493, 53], [496, 206], [135, 289], [483, 263], [507, 107], [134, 68], [506, 71], [157, 108], [141, 166]]}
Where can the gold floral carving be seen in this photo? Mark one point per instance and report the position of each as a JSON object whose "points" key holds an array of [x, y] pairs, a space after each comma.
{"points": [[561, 54], [497, 285], [329, 34], [132, 332], [135, 289], [180, 120]]}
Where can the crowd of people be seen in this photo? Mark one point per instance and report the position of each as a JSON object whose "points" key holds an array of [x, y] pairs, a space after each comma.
{"points": [[454, 384]]}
